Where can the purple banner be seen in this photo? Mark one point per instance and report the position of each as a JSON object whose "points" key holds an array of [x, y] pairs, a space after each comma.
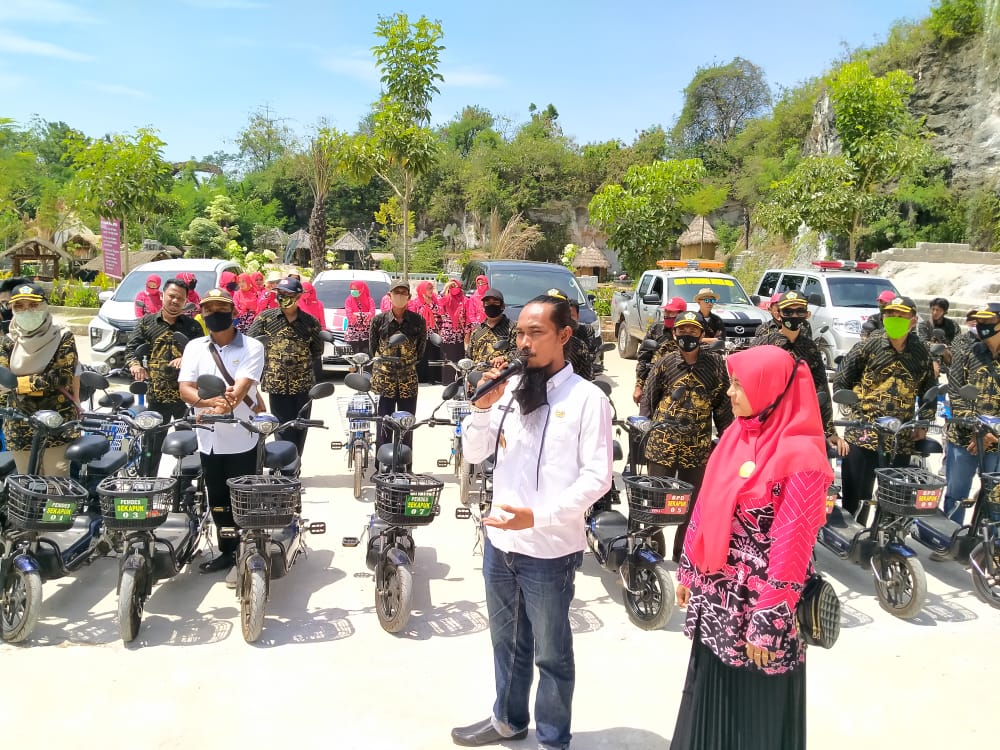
{"points": [[111, 247]]}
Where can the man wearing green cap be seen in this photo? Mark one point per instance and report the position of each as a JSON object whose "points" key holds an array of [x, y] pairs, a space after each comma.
{"points": [[889, 370]]}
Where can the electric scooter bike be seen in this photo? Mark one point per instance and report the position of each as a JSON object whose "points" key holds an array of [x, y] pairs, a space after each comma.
{"points": [[903, 494], [359, 434], [266, 507]]}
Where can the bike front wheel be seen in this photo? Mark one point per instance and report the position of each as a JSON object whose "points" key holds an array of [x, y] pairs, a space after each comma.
{"points": [[252, 601], [395, 599], [649, 595], [902, 589], [358, 458], [131, 598], [21, 605], [986, 585]]}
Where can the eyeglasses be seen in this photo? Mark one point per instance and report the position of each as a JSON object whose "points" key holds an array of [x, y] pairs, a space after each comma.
{"points": [[709, 300], [794, 312]]}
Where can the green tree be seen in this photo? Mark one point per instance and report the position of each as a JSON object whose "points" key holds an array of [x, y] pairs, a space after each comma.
{"points": [[820, 193], [205, 238], [321, 164], [956, 19], [642, 215], [264, 140]]}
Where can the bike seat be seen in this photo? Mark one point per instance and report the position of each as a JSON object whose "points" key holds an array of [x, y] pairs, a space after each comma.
{"points": [[617, 450], [610, 523], [6, 463], [87, 448], [190, 465], [926, 446], [384, 455], [109, 463], [279, 453], [117, 400], [182, 443]]}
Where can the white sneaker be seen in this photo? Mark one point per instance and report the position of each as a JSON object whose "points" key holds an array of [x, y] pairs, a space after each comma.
{"points": [[231, 578]]}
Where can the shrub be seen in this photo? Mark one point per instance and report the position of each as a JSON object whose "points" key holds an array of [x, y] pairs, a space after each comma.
{"points": [[956, 19]]}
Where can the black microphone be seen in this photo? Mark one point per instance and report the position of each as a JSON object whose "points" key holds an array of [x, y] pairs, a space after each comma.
{"points": [[487, 386]]}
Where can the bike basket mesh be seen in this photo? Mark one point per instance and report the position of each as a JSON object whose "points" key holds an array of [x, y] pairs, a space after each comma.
{"points": [[404, 499], [909, 491], [121, 435], [459, 409], [264, 502], [991, 493], [136, 503], [37, 503], [657, 501], [357, 403]]}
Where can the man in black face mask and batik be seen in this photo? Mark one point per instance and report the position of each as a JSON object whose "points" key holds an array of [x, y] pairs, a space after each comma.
{"points": [[792, 334], [688, 388]]}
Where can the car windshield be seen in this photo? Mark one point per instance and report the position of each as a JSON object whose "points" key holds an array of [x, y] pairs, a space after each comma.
{"points": [[728, 291], [856, 291], [135, 282], [519, 287], [333, 292]]}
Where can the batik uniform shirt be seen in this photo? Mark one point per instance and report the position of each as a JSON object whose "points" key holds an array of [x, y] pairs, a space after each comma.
{"points": [[358, 325], [752, 599], [805, 348], [973, 365], [484, 337], [579, 352], [925, 328], [714, 328], [55, 383], [964, 340], [397, 378], [158, 334], [449, 332], [290, 349], [765, 328], [704, 399], [888, 383], [645, 358]]}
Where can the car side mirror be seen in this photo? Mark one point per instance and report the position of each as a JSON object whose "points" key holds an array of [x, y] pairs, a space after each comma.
{"points": [[106, 295], [210, 386], [651, 299], [591, 298], [755, 299]]}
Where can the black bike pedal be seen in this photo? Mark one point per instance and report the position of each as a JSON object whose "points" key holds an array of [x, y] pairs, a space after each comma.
{"points": [[463, 513], [350, 541], [336, 445], [442, 463], [317, 527]]}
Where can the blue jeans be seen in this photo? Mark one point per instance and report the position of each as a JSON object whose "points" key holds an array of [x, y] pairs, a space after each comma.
{"points": [[960, 468], [528, 603]]}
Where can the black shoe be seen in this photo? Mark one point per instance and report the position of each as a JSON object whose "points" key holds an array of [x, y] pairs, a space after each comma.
{"points": [[482, 733], [223, 562]]}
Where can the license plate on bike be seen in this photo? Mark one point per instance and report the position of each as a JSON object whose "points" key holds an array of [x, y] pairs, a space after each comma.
{"points": [[674, 505], [132, 508], [419, 506], [927, 499], [55, 512]]}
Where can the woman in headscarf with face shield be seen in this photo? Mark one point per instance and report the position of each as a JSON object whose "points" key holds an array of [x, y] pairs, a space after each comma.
{"points": [[44, 359]]}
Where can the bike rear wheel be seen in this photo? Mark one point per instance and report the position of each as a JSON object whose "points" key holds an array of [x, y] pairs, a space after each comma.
{"points": [[131, 600], [649, 596], [21, 605], [394, 601], [987, 586], [904, 588], [252, 600], [465, 482]]}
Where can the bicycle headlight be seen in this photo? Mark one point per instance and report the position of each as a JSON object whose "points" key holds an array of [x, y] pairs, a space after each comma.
{"points": [[147, 420], [403, 419], [51, 419], [265, 423], [889, 424], [358, 359], [465, 364]]}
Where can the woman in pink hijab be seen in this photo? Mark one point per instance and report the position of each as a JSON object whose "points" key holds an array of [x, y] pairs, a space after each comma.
{"points": [[454, 327], [149, 301], [474, 305], [359, 307], [193, 300], [425, 304], [258, 281], [246, 300], [311, 304]]}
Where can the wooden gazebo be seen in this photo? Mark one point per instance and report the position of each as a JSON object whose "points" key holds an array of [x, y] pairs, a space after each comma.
{"points": [[353, 250], [38, 258], [589, 261], [699, 240], [297, 250]]}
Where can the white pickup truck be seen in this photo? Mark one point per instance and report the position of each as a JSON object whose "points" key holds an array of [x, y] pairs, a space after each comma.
{"points": [[635, 311]]}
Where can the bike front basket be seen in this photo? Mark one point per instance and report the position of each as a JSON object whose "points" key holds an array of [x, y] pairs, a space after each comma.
{"points": [[404, 499], [136, 503], [264, 502], [991, 492], [36, 503], [908, 491], [459, 409], [657, 501], [356, 405]]}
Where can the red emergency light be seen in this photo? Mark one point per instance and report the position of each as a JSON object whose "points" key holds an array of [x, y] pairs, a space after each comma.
{"points": [[845, 265]]}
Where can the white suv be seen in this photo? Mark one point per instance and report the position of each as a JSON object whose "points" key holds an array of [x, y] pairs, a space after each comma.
{"points": [[846, 296], [332, 289]]}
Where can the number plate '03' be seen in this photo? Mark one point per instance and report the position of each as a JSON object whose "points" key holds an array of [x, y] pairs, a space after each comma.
{"points": [[54, 512], [132, 508], [419, 505]]}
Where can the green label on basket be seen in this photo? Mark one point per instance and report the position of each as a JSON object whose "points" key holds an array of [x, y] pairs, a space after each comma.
{"points": [[131, 508], [419, 505], [58, 512]]}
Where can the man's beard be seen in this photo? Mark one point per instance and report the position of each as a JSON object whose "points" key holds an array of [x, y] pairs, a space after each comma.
{"points": [[531, 391]]}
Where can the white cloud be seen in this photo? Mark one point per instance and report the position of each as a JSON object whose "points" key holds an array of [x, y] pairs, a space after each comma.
{"points": [[20, 45], [226, 4], [361, 68], [44, 11], [472, 79], [114, 89]]}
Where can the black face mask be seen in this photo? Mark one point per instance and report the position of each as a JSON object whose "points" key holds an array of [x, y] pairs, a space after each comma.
{"points": [[232, 286], [218, 321], [532, 392], [493, 311], [688, 343], [792, 324], [985, 330]]}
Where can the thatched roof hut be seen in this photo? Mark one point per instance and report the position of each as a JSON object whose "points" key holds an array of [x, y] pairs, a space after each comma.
{"points": [[590, 261], [270, 238], [297, 249], [136, 259], [352, 248], [698, 240], [39, 258]]}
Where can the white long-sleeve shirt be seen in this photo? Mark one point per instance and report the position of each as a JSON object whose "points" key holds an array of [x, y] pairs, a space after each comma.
{"points": [[558, 469]]}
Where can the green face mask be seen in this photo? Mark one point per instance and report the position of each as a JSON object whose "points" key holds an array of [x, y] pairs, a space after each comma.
{"points": [[896, 328]]}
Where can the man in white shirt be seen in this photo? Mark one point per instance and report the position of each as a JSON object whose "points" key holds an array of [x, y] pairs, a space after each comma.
{"points": [[229, 450], [551, 431]]}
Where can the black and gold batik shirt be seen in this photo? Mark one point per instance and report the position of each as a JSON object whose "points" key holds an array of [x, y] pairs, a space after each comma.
{"points": [[397, 378], [580, 352], [888, 383], [54, 383], [973, 365], [484, 337], [158, 335], [702, 399], [645, 359], [290, 348], [805, 348]]}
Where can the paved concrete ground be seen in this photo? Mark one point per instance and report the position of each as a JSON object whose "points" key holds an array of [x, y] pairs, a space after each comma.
{"points": [[326, 676]]}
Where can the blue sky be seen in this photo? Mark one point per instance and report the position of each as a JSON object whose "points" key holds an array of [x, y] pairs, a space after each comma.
{"points": [[196, 69]]}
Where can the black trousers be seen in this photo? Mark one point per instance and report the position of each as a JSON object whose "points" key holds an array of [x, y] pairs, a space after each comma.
{"points": [[453, 353], [427, 373], [857, 475], [217, 468], [387, 405], [286, 408], [693, 477], [154, 444]]}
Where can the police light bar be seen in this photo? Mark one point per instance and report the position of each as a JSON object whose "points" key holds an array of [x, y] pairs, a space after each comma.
{"points": [[694, 263], [845, 265]]}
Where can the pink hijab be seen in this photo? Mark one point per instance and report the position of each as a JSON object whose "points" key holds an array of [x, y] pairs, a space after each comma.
{"points": [[310, 303], [246, 298], [753, 454], [424, 303], [453, 305], [474, 312], [363, 303]]}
